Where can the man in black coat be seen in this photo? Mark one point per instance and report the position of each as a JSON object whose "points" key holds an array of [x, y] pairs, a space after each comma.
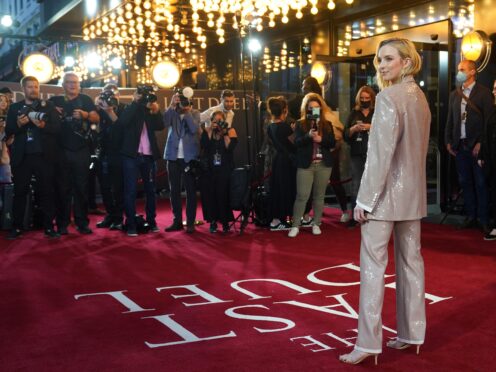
{"points": [[470, 106], [35, 125], [139, 150], [109, 169], [78, 113]]}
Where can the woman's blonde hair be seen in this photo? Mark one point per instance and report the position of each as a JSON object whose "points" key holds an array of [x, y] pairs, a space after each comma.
{"points": [[406, 49], [370, 92], [325, 111]]}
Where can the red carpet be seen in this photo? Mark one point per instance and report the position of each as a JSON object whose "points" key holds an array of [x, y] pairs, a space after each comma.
{"points": [[258, 326]]}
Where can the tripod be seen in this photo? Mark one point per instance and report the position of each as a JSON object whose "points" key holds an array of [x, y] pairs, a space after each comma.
{"points": [[243, 180]]}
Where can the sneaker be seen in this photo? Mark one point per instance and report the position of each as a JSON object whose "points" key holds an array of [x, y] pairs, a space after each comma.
{"points": [[489, 237], [345, 217], [306, 223], [316, 230], [132, 232], [105, 223], [85, 230], [154, 228], [51, 233], [175, 226], [213, 227], [293, 232], [280, 226], [116, 226]]}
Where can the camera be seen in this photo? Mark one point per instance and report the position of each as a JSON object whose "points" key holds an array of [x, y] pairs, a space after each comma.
{"points": [[109, 98], [31, 111], [147, 93], [195, 167], [223, 126], [185, 95], [313, 113]]}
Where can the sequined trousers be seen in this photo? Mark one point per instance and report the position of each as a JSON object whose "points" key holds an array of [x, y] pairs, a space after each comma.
{"points": [[410, 292]]}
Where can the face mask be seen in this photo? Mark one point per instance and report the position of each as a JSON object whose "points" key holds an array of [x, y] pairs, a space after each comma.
{"points": [[365, 104], [461, 77]]}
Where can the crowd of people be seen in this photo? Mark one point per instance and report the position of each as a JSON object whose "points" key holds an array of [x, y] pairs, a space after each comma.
{"points": [[63, 141], [76, 140]]}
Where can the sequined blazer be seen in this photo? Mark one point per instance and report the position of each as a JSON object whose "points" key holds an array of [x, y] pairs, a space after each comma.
{"points": [[393, 185]]}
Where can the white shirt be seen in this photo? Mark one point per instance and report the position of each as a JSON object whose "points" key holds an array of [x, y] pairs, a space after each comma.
{"points": [[180, 147], [463, 108]]}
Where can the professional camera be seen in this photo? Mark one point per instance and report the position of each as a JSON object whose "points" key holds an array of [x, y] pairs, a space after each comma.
{"points": [[147, 94], [31, 111], [185, 95], [223, 126], [109, 98], [196, 167]]}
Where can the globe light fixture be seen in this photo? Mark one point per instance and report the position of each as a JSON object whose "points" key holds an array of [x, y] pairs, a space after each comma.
{"points": [[165, 74], [38, 65], [476, 47]]}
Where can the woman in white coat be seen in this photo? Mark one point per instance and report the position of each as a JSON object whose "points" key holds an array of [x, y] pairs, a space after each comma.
{"points": [[392, 199]]}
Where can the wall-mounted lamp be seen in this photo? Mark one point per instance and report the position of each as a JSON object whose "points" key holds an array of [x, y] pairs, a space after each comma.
{"points": [[165, 74], [476, 46], [38, 65]]}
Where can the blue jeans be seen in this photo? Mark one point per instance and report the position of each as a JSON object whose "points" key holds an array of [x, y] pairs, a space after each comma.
{"points": [[473, 183], [143, 166]]}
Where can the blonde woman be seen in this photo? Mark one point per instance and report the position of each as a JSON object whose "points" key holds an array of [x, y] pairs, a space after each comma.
{"points": [[314, 139], [392, 199]]}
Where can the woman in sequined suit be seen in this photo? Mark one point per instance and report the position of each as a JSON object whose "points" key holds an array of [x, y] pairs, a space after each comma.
{"points": [[392, 199]]}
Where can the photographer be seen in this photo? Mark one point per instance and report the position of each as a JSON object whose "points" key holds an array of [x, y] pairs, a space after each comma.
{"points": [[109, 170], [34, 123], [181, 148], [217, 145], [139, 152], [314, 139], [227, 101], [78, 113]]}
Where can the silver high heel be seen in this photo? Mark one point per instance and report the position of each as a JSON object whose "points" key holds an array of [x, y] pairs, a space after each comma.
{"points": [[352, 359], [399, 345]]}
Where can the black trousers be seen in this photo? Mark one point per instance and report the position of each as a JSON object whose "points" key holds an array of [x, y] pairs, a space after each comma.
{"points": [[176, 174], [33, 164], [72, 185], [94, 174], [112, 185], [215, 195]]}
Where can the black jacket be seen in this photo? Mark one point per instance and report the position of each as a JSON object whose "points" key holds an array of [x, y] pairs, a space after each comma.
{"points": [[357, 147], [49, 133], [481, 97], [304, 146], [110, 134], [132, 120]]}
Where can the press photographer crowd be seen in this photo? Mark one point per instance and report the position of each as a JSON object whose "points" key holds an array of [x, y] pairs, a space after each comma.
{"points": [[56, 149]]}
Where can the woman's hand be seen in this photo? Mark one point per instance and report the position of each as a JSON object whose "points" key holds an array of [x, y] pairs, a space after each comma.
{"points": [[359, 215]]}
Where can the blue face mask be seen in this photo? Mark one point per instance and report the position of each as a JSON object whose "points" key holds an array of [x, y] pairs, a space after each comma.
{"points": [[461, 77]]}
